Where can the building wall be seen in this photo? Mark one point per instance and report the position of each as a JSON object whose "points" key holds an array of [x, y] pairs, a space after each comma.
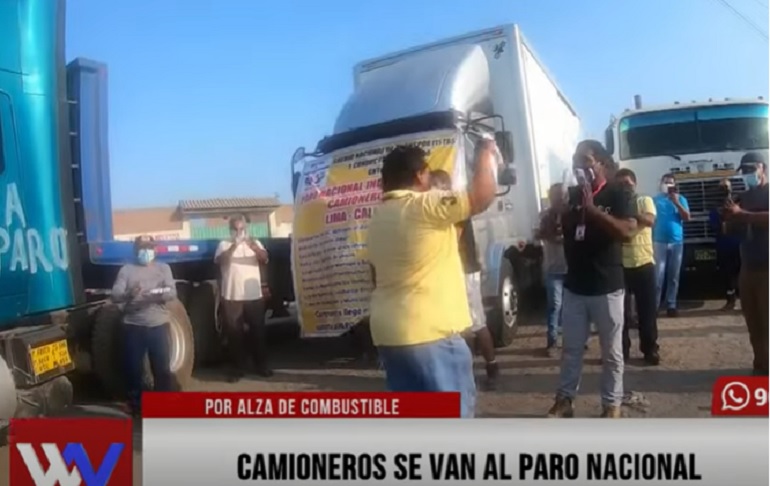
{"points": [[168, 224]]}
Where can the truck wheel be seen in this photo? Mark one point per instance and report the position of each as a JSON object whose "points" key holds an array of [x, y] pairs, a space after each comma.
{"points": [[202, 308], [503, 319], [7, 400], [182, 344], [107, 351]]}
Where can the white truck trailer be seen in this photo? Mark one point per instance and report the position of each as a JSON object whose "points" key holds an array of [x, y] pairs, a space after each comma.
{"points": [[442, 96], [700, 143]]}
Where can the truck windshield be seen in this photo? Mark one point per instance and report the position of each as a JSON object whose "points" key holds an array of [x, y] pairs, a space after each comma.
{"points": [[694, 130]]}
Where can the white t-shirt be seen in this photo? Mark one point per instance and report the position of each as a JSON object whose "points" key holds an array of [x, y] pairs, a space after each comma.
{"points": [[241, 279]]}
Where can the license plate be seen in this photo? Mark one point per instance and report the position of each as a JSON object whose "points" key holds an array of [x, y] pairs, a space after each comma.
{"points": [[49, 357], [705, 255]]}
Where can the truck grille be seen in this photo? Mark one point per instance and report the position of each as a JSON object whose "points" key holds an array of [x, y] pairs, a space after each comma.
{"points": [[704, 195], [698, 230]]}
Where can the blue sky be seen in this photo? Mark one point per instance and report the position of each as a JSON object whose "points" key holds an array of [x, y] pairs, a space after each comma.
{"points": [[209, 98]]}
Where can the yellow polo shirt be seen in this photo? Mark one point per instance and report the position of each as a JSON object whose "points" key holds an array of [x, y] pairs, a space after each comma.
{"points": [[638, 251], [420, 289]]}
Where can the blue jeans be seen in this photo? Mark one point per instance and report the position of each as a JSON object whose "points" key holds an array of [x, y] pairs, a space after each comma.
{"points": [[439, 366], [668, 262], [554, 289], [153, 342]]}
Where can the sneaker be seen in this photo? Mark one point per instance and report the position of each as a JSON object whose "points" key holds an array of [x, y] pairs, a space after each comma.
{"points": [[611, 411], [652, 359], [729, 305], [551, 351], [493, 371], [672, 313], [264, 372], [562, 408]]}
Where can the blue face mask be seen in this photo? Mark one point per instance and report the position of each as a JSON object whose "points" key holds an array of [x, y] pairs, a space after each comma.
{"points": [[145, 256], [752, 179]]}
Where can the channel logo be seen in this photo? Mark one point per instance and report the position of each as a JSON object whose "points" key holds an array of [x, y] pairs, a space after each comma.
{"points": [[71, 452]]}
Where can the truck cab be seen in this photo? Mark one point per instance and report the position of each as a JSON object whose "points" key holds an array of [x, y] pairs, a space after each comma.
{"points": [[700, 143], [442, 97]]}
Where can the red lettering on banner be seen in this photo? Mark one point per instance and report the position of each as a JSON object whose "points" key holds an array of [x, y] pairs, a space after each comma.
{"points": [[744, 396], [300, 405]]}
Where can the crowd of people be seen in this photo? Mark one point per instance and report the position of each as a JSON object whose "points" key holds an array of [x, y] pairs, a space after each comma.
{"points": [[611, 260]]}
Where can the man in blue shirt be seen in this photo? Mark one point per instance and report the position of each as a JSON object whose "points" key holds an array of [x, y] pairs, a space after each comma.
{"points": [[668, 240]]}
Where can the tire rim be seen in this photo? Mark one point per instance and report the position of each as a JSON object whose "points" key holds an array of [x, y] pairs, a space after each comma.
{"points": [[509, 302], [177, 346]]}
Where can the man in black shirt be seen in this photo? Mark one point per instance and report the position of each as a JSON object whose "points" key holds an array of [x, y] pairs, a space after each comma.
{"points": [[598, 218]]}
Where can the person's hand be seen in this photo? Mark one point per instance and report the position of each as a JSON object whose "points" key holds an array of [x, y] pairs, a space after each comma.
{"points": [[135, 291], [588, 196], [730, 209], [673, 197]]}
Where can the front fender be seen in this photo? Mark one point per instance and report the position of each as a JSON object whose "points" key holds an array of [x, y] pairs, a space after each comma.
{"points": [[493, 257]]}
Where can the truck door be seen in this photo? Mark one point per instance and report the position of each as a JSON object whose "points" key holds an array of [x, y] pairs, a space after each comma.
{"points": [[13, 277]]}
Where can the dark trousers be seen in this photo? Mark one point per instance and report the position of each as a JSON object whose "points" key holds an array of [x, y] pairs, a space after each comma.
{"points": [[640, 283], [754, 288], [153, 342], [245, 332], [729, 263]]}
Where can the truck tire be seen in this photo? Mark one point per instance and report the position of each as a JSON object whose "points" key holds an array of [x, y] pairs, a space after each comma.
{"points": [[182, 344], [202, 308], [7, 400], [107, 351], [503, 319]]}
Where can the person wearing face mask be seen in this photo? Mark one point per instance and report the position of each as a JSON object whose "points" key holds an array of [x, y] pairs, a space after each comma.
{"points": [[480, 337], [419, 307], [598, 217], [239, 262], [639, 275], [668, 241], [727, 247], [144, 288], [752, 216]]}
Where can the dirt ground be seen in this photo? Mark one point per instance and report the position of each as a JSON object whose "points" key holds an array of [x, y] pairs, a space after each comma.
{"points": [[696, 348]]}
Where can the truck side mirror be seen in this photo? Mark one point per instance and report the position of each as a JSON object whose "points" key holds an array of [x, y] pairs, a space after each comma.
{"points": [[294, 182], [609, 140], [506, 176], [504, 141], [299, 154]]}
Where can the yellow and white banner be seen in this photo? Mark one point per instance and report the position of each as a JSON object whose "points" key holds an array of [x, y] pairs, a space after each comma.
{"points": [[335, 199]]}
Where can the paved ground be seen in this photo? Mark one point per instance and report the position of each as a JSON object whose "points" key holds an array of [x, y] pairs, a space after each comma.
{"points": [[696, 348]]}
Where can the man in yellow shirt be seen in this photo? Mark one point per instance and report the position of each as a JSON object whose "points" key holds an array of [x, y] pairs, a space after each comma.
{"points": [[419, 307], [639, 274]]}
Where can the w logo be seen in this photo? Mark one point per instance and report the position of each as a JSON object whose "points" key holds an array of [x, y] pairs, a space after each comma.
{"points": [[71, 467]]}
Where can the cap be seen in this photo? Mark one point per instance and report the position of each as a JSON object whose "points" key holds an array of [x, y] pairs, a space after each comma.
{"points": [[750, 158], [144, 241]]}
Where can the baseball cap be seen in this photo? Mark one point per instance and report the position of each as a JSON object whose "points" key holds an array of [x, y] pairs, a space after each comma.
{"points": [[750, 159], [144, 241]]}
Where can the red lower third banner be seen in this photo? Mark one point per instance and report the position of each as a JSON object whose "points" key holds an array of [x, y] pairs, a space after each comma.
{"points": [[301, 405], [740, 396]]}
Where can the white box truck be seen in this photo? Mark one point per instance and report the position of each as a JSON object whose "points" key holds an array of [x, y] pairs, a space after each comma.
{"points": [[441, 96]]}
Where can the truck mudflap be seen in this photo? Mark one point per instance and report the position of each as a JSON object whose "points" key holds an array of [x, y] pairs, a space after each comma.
{"points": [[36, 355]]}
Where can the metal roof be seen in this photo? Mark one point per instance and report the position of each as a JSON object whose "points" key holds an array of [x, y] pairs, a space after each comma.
{"points": [[232, 203]]}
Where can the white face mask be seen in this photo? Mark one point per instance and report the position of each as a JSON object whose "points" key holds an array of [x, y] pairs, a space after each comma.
{"points": [[238, 235]]}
